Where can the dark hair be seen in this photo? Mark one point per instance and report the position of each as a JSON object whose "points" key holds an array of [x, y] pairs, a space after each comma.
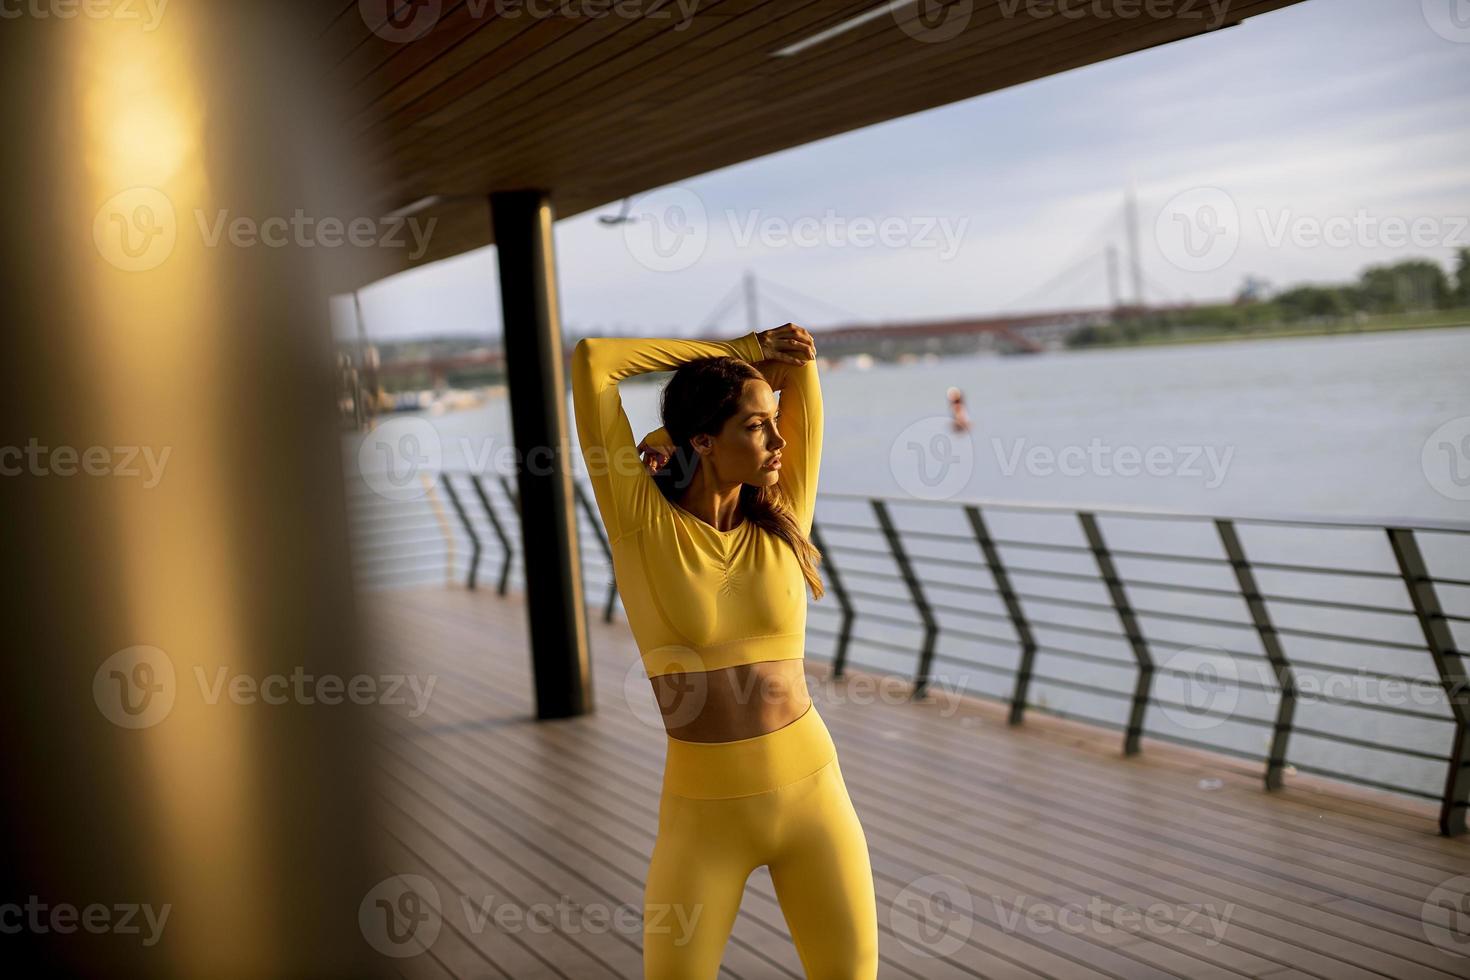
{"points": [[699, 399]]}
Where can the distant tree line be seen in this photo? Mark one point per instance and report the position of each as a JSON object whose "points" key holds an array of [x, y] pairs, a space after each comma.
{"points": [[1404, 287], [1411, 286]]}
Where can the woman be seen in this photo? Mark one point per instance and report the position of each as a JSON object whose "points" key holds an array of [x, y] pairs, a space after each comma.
{"points": [[712, 557]]}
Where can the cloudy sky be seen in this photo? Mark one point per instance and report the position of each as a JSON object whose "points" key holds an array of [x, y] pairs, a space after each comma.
{"points": [[1299, 146]]}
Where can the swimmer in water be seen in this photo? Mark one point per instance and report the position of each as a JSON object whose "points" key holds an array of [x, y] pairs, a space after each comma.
{"points": [[957, 409]]}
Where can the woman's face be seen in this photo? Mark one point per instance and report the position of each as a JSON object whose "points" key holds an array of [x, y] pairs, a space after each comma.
{"points": [[749, 440]]}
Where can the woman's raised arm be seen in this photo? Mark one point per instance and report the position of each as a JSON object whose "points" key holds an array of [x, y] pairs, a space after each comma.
{"points": [[801, 427]]}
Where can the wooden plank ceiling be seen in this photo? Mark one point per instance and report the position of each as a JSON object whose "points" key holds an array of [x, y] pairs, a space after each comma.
{"points": [[460, 101]]}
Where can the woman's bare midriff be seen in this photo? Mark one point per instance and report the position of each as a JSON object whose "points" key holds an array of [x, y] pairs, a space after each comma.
{"points": [[732, 703]]}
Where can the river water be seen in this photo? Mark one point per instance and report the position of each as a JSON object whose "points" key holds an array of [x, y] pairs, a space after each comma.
{"points": [[1373, 426]]}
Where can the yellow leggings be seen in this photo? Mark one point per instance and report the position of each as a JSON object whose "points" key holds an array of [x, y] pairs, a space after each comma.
{"points": [[727, 808]]}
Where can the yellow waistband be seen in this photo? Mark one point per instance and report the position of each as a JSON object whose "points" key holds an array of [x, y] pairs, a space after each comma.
{"points": [[675, 659], [718, 770]]}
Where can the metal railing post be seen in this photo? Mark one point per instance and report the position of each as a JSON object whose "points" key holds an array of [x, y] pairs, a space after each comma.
{"points": [[499, 533], [596, 522], [510, 493], [468, 529], [1013, 609], [1136, 641], [437, 509], [1447, 660], [834, 582], [916, 592], [1255, 603]]}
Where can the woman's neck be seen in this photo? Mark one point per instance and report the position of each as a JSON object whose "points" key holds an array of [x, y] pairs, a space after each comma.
{"points": [[718, 507]]}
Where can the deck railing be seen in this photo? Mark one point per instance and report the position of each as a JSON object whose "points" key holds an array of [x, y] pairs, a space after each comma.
{"points": [[938, 589]]}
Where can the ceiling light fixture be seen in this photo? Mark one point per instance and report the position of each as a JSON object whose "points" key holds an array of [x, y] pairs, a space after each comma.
{"points": [[842, 28], [422, 204]]}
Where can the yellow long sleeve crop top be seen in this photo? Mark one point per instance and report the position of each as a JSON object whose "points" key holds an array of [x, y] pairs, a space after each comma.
{"points": [[697, 598]]}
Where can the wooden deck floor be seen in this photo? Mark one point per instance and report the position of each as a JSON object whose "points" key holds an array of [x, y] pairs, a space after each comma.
{"points": [[1029, 852]]}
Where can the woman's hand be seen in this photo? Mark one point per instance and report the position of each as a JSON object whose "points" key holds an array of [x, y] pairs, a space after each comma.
{"points": [[656, 449], [788, 343]]}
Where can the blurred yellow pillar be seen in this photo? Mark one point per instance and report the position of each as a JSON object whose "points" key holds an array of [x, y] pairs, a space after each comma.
{"points": [[176, 527]]}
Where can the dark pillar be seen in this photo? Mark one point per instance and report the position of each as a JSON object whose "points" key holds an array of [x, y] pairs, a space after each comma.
{"points": [[535, 374]]}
